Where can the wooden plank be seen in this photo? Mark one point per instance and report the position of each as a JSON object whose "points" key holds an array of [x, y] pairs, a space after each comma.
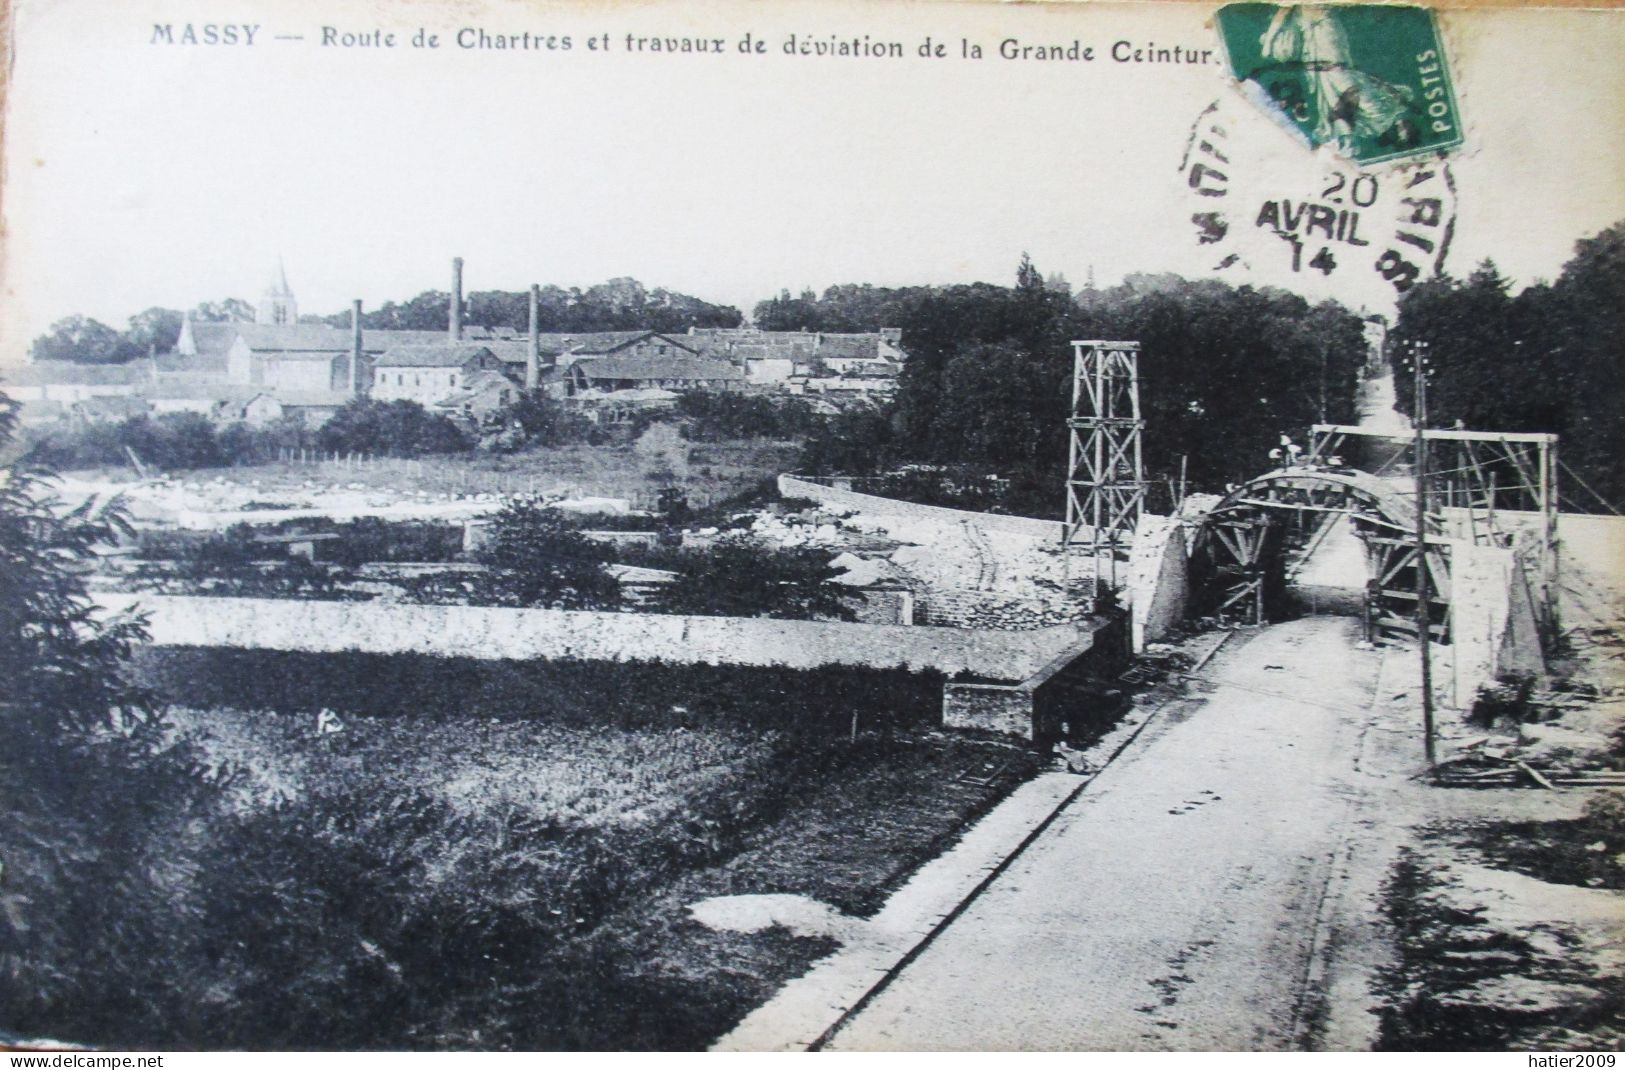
{"points": [[1439, 436], [1408, 627], [1534, 775], [1433, 599]]}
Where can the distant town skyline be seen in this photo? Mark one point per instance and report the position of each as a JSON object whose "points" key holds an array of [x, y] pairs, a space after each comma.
{"points": [[145, 174]]}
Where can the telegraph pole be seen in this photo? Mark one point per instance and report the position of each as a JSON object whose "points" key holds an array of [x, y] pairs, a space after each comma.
{"points": [[1419, 417]]}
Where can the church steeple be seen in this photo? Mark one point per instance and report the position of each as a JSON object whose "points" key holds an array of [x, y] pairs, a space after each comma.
{"points": [[277, 303]]}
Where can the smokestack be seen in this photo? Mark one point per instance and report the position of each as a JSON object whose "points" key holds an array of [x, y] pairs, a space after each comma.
{"points": [[455, 328], [533, 370], [355, 348]]}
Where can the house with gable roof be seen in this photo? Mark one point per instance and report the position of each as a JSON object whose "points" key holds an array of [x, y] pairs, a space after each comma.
{"points": [[430, 373]]}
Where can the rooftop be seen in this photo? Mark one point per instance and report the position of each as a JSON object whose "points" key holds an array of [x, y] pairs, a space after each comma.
{"points": [[681, 367], [440, 355], [54, 372]]}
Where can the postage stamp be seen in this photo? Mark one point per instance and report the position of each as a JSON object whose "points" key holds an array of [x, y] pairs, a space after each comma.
{"points": [[1369, 79]]}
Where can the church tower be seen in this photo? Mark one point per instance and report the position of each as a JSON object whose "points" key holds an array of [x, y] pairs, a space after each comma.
{"points": [[277, 303]]}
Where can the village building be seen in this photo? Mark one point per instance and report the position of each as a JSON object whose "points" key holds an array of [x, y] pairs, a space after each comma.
{"points": [[313, 408], [218, 401], [479, 396], [563, 348], [428, 374], [201, 348], [278, 307], [66, 382], [778, 357], [277, 366], [623, 406], [258, 411], [605, 374]]}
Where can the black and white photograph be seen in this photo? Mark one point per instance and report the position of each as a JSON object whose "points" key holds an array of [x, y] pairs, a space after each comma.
{"points": [[708, 525]]}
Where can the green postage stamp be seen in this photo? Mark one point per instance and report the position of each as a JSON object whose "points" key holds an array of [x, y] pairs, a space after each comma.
{"points": [[1370, 79]]}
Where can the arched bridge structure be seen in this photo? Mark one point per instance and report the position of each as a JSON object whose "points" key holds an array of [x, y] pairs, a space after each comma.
{"points": [[1250, 540]]}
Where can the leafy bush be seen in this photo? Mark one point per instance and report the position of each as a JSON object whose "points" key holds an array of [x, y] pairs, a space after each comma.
{"points": [[711, 416], [398, 428], [89, 785], [549, 422], [170, 442], [534, 557], [739, 577]]}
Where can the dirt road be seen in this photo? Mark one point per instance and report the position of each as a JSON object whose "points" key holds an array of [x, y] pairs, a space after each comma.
{"points": [[1180, 903]]}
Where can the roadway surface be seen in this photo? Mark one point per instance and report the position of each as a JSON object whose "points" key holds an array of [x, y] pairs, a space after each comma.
{"points": [[1179, 903]]}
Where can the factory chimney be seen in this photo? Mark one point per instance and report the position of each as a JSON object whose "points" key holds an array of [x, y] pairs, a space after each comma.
{"points": [[355, 349], [533, 370], [455, 328]]}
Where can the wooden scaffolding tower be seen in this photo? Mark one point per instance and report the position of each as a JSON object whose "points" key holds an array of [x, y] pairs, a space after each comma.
{"points": [[1479, 482], [1105, 482]]}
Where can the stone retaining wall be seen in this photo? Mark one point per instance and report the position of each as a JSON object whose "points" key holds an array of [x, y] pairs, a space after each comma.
{"points": [[957, 607], [849, 500], [526, 634]]}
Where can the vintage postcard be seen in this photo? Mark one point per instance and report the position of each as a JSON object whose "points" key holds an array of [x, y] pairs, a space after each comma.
{"points": [[550, 525]]}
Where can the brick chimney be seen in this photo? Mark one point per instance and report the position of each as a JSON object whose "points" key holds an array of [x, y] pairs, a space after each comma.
{"points": [[454, 328], [533, 370], [356, 385]]}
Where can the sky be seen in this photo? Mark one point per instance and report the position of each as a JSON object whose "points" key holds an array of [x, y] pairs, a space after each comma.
{"points": [[141, 174]]}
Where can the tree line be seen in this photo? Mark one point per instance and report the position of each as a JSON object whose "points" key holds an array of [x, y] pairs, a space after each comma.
{"points": [[622, 304], [1224, 372], [1550, 358], [83, 340]]}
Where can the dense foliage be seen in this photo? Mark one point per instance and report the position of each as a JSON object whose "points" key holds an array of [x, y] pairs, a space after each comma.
{"points": [[154, 330], [713, 417], [546, 421], [397, 428], [172, 441], [181, 441], [534, 557], [1551, 358], [1224, 371], [739, 577], [61, 664], [88, 782], [451, 869]]}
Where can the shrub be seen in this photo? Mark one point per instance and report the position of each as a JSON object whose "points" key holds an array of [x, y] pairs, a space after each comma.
{"points": [[171, 442], [91, 790], [739, 577], [399, 428], [534, 557], [710, 416], [549, 422]]}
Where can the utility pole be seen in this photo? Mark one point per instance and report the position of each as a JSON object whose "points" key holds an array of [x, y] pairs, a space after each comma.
{"points": [[1419, 417]]}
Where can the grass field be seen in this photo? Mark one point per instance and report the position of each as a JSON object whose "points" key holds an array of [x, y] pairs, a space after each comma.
{"points": [[414, 882]]}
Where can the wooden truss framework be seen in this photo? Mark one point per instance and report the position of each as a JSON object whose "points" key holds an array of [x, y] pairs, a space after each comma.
{"points": [[1105, 482], [1485, 475], [1247, 538]]}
